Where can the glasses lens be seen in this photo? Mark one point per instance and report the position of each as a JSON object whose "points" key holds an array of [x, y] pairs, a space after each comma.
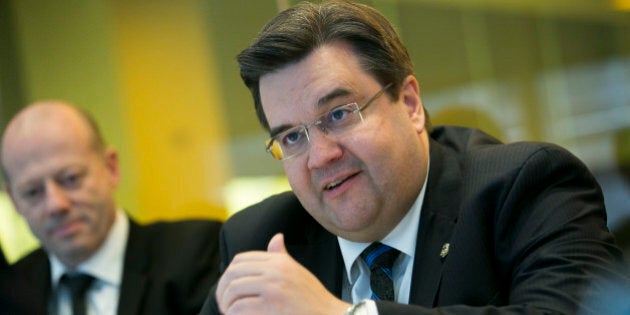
{"points": [[293, 141], [288, 143], [341, 118]]}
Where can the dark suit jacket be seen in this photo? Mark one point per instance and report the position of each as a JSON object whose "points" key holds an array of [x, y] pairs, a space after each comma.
{"points": [[5, 302], [169, 268], [3, 261], [526, 225]]}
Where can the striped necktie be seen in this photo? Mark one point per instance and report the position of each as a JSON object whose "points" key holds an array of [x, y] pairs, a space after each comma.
{"points": [[380, 259]]}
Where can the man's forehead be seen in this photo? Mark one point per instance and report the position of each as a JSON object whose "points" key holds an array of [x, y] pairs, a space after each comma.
{"points": [[35, 154], [45, 125], [308, 94], [45, 152], [315, 75]]}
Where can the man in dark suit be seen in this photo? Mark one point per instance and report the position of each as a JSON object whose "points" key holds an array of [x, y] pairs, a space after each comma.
{"points": [[386, 214], [61, 178]]}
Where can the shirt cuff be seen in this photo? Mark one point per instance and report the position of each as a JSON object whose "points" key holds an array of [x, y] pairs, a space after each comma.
{"points": [[370, 308], [365, 307]]}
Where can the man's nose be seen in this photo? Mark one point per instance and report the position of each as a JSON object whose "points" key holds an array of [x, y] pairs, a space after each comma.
{"points": [[56, 198], [323, 148]]}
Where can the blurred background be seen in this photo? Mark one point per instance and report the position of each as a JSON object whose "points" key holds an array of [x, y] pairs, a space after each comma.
{"points": [[160, 77]]}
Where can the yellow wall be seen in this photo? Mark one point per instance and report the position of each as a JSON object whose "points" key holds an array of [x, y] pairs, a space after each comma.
{"points": [[15, 237], [172, 102]]}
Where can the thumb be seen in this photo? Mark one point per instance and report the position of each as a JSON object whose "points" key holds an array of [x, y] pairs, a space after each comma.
{"points": [[276, 244]]}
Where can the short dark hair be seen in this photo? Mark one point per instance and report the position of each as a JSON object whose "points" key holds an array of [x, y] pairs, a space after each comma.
{"points": [[295, 32]]}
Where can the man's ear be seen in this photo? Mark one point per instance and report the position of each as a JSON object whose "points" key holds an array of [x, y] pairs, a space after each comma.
{"points": [[410, 96], [111, 160]]}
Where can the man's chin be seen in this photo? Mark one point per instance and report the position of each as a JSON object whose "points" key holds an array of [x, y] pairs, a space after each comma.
{"points": [[71, 253]]}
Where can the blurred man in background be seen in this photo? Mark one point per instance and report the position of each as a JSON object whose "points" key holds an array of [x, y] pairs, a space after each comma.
{"points": [[61, 178]]}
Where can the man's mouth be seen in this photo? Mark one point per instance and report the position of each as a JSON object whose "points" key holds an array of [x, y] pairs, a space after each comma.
{"points": [[334, 184], [337, 183], [66, 229]]}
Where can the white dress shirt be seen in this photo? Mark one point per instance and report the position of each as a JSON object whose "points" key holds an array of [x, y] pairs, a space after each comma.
{"points": [[106, 266], [356, 284]]}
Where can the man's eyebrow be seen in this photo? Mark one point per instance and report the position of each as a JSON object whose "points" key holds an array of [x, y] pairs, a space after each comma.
{"points": [[338, 92], [276, 130]]}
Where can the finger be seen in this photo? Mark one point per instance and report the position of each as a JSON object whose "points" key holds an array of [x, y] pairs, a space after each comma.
{"points": [[249, 305], [252, 255], [276, 244], [241, 268], [237, 270], [243, 288]]}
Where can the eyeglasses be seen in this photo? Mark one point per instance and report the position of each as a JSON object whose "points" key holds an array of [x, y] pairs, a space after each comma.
{"points": [[340, 119]]}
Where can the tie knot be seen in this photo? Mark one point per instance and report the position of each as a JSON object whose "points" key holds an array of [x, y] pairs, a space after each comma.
{"points": [[379, 255], [77, 283]]}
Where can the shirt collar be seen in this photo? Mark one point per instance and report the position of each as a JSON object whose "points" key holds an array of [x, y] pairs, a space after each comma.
{"points": [[107, 263], [403, 237]]}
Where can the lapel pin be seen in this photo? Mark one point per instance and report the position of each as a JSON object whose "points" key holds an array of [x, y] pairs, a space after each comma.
{"points": [[444, 250]]}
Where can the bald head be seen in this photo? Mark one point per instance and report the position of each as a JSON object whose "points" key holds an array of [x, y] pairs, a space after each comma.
{"points": [[45, 122], [60, 178]]}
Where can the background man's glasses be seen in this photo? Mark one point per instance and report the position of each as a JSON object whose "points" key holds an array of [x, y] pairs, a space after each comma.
{"points": [[340, 119]]}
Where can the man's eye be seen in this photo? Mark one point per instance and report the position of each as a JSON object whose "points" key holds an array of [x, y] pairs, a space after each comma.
{"points": [[291, 138], [70, 180], [339, 114], [31, 193]]}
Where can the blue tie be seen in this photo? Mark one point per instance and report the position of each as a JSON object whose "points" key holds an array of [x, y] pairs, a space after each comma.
{"points": [[380, 259]]}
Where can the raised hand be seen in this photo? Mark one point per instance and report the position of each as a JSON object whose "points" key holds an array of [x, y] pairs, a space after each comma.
{"points": [[272, 282]]}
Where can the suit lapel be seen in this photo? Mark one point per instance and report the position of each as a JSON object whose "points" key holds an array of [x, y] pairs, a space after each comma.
{"points": [[38, 284], [25, 287], [438, 219], [135, 279]]}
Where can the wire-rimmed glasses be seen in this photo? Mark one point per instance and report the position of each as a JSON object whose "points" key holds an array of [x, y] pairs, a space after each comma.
{"points": [[338, 120]]}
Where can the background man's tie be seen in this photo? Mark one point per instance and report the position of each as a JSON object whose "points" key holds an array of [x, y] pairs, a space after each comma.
{"points": [[380, 259], [78, 284]]}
